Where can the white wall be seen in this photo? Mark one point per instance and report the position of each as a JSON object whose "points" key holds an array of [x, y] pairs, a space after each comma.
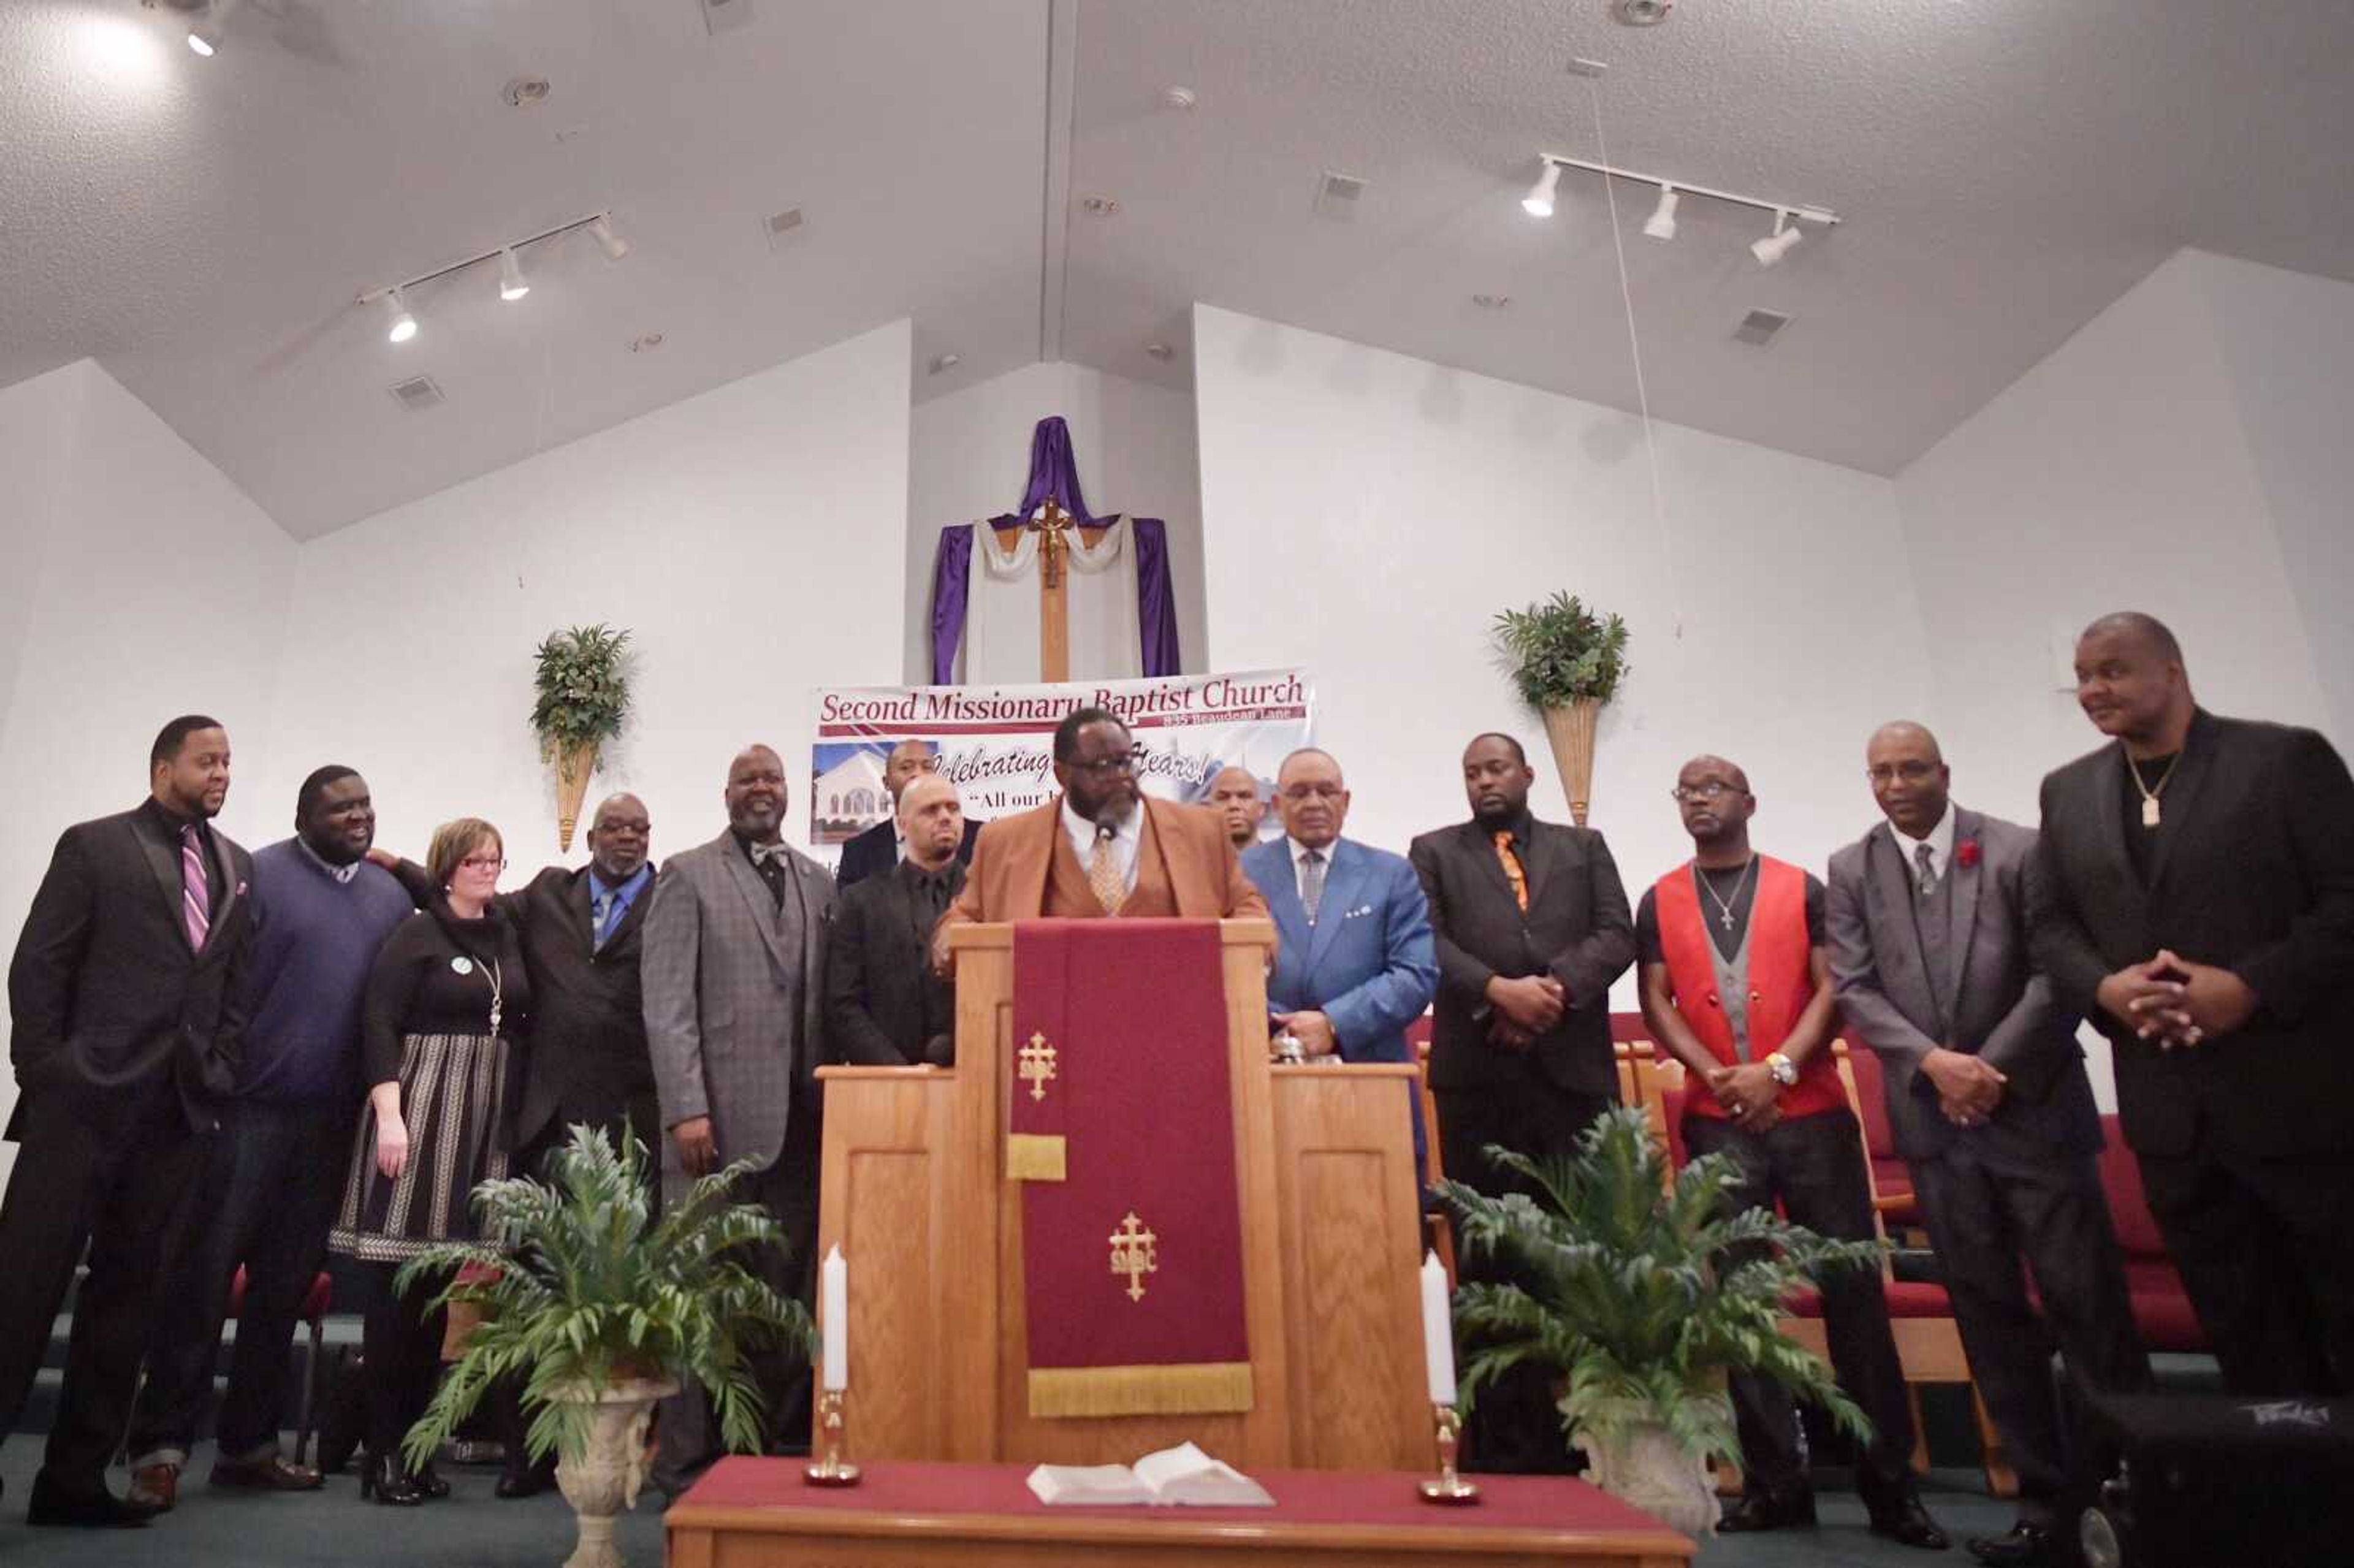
{"points": [[751, 538], [142, 584], [1366, 514], [969, 457], [2117, 474]]}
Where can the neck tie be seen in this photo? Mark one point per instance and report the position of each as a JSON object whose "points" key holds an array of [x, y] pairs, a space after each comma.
{"points": [[1103, 873], [1511, 864], [609, 907], [196, 898], [1311, 882], [1924, 861]]}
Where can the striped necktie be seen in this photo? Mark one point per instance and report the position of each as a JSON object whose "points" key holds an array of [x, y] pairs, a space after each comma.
{"points": [[196, 896]]}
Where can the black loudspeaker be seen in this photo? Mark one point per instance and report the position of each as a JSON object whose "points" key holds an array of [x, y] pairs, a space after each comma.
{"points": [[2206, 1481]]}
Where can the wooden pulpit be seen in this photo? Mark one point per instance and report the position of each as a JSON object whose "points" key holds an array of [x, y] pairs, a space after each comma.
{"points": [[914, 1191]]}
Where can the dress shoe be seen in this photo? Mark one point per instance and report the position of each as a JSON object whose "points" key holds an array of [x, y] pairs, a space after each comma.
{"points": [[1785, 1509], [100, 1510], [156, 1487], [271, 1472], [2024, 1545], [384, 1481], [428, 1480], [1904, 1521], [527, 1479]]}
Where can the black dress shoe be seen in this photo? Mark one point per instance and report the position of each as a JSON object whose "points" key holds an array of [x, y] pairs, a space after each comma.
{"points": [[527, 1479], [1907, 1523], [428, 1482], [2024, 1545], [1788, 1509], [100, 1510], [386, 1482]]}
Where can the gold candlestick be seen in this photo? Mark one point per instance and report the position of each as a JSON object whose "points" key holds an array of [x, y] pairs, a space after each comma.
{"points": [[830, 1469], [1448, 1488]]}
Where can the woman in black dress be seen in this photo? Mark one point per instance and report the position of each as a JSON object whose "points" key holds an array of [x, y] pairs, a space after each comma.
{"points": [[444, 1003]]}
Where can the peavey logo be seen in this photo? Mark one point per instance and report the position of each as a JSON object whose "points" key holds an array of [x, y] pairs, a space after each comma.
{"points": [[2290, 1413]]}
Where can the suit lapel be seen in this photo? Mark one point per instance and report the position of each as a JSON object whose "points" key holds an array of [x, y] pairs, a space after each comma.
{"points": [[1281, 892], [2198, 753], [1341, 877], [1888, 888], [1045, 825], [755, 890], [1966, 872], [1481, 844], [219, 917], [163, 858], [1540, 858], [580, 908]]}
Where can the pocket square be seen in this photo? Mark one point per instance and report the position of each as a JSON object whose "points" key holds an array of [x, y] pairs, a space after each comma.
{"points": [[1360, 909]]}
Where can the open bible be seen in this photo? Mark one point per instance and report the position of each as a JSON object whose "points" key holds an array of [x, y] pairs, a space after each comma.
{"points": [[1180, 1475]]}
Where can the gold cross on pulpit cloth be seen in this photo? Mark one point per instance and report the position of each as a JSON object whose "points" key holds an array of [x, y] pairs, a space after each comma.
{"points": [[1133, 1253], [1055, 528], [1037, 1065]]}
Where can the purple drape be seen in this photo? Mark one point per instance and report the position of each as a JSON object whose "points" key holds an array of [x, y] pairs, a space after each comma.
{"points": [[1054, 472]]}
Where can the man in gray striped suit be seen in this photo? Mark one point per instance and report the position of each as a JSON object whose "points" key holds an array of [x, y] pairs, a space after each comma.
{"points": [[734, 969]]}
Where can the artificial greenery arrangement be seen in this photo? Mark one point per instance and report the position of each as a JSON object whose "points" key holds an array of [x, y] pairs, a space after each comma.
{"points": [[583, 1289], [583, 691], [1559, 651], [1629, 1292]]}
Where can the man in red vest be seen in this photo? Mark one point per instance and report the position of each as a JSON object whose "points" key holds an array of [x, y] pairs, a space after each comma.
{"points": [[1736, 984]]}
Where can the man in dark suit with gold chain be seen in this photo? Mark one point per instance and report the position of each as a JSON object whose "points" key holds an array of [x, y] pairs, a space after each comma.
{"points": [[2198, 904]]}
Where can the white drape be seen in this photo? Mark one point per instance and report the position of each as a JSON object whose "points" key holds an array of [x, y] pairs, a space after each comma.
{"points": [[1001, 628]]}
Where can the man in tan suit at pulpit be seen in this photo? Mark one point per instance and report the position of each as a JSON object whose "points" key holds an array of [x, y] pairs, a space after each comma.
{"points": [[1100, 848]]}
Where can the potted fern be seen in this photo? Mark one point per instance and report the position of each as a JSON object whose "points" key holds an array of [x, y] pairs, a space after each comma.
{"points": [[583, 694], [1626, 1290], [1566, 661], [601, 1307]]}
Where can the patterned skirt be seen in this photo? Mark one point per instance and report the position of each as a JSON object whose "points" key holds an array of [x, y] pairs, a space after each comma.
{"points": [[454, 1096]]}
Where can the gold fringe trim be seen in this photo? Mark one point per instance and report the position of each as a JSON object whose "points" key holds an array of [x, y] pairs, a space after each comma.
{"points": [[1034, 1157], [1202, 1389]]}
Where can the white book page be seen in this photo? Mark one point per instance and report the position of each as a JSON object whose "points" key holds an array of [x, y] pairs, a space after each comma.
{"points": [[1088, 1484]]}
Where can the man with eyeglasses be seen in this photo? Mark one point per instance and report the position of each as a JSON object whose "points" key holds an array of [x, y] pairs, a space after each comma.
{"points": [[1528, 920], [1737, 985], [1990, 1105], [1100, 848], [1356, 964]]}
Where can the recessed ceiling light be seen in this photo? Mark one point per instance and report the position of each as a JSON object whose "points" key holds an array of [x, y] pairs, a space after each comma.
{"points": [[1643, 13], [526, 91], [1159, 350], [945, 362], [1098, 206], [1491, 301], [645, 342], [1178, 98]]}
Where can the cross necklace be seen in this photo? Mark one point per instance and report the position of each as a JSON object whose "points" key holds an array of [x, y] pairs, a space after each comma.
{"points": [[1724, 906]]}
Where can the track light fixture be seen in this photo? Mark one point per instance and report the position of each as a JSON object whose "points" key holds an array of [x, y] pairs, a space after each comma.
{"points": [[512, 284], [1661, 224], [1537, 203], [401, 326], [1777, 245], [204, 35]]}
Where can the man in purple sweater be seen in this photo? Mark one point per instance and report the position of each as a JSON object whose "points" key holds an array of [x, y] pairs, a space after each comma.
{"points": [[320, 912]]}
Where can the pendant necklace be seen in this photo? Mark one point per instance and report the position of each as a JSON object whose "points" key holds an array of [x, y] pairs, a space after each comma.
{"points": [[1724, 906], [2149, 793]]}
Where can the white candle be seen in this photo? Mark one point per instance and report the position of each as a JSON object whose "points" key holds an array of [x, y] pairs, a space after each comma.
{"points": [[1438, 1331], [833, 1313]]}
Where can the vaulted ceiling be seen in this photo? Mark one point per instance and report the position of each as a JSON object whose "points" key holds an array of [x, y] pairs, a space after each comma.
{"points": [[2004, 168]]}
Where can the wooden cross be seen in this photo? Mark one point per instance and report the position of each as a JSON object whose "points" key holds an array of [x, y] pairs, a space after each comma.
{"points": [[1037, 1059], [1053, 527], [1133, 1253]]}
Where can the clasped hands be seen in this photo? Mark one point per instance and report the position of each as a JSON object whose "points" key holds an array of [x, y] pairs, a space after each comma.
{"points": [[2174, 1002], [1747, 1094], [1524, 1008], [1969, 1088]]}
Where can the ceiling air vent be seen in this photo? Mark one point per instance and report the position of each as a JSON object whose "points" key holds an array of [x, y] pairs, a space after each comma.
{"points": [[1337, 195], [1758, 328], [418, 394], [781, 226]]}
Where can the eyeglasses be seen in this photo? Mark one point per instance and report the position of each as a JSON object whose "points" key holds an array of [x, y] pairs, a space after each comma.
{"points": [[1105, 766], [1911, 772], [484, 863], [1708, 791]]}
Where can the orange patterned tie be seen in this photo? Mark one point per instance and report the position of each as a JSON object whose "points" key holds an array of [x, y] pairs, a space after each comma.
{"points": [[1512, 873], [1104, 877]]}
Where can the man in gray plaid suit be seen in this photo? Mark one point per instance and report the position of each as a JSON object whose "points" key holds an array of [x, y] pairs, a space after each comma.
{"points": [[734, 973]]}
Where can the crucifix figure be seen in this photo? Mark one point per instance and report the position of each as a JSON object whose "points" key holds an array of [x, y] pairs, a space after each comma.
{"points": [[1037, 1065], [1053, 527], [1133, 1253]]}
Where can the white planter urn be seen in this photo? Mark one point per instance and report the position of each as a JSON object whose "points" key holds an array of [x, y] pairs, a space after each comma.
{"points": [[603, 1483], [1643, 1463]]}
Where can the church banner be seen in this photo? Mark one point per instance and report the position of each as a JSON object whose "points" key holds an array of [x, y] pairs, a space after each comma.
{"points": [[996, 743]]}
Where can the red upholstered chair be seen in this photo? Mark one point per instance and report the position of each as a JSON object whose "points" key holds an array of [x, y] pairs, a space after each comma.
{"points": [[1891, 1182], [317, 1303], [2161, 1307]]}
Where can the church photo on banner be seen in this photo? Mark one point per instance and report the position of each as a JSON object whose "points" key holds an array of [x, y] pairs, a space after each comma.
{"points": [[996, 743]]}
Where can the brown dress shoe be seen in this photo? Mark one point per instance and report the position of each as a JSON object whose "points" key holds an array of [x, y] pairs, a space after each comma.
{"points": [[271, 1472], [155, 1488]]}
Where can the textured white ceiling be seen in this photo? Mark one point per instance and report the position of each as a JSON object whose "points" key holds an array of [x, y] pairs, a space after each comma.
{"points": [[2007, 166]]}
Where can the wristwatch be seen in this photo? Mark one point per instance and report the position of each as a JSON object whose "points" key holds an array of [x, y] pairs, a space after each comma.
{"points": [[1785, 1071]]}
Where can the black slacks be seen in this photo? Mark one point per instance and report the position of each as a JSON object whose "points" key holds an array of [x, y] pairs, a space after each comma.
{"points": [[121, 1180], [2263, 1250], [1515, 1426], [1986, 1217], [401, 1347], [1813, 1166]]}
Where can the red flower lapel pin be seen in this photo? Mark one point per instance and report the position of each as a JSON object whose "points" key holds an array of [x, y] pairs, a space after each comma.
{"points": [[1965, 853]]}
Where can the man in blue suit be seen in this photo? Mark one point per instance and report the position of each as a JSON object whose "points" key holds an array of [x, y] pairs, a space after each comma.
{"points": [[1355, 963]]}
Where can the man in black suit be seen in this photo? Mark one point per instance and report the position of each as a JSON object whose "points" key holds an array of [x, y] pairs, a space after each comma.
{"points": [[2198, 903], [1531, 926], [124, 1024], [885, 1007], [586, 1063], [1987, 1095], [883, 845]]}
